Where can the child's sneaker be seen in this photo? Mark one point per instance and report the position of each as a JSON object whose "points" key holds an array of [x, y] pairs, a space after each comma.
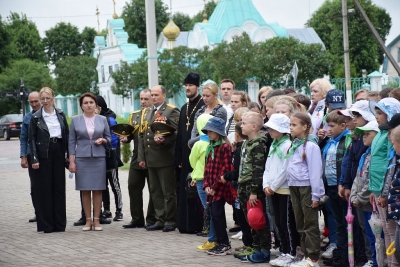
{"points": [[207, 246], [238, 235], [222, 250], [259, 257], [244, 251], [329, 251], [369, 264], [306, 262], [212, 251], [282, 260]]}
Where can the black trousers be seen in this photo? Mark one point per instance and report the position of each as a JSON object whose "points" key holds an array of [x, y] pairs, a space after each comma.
{"points": [[219, 221], [247, 238], [286, 223], [136, 182], [49, 190], [113, 180], [31, 172]]}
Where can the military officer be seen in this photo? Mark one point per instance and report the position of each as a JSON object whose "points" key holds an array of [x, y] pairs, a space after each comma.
{"points": [[157, 154], [137, 174]]}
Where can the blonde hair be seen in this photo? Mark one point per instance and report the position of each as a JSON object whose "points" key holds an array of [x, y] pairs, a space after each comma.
{"points": [[304, 119], [264, 89], [238, 113], [323, 84], [293, 105], [47, 90], [270, 103], [213, 87], [254, 117]]}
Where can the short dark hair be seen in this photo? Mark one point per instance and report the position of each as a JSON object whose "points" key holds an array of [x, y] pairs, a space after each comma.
{"points": [[303, 99], [87, 94], [276, 92], [288, 91], [228, 81], [385, 92], [146, 90], [238, 130], [335, 117], [254, 105]]}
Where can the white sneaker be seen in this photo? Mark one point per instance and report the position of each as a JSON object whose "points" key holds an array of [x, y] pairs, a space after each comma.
{"points": [[282, 260], [368, 264], [328, 252], [306, 262], [238, 235]]}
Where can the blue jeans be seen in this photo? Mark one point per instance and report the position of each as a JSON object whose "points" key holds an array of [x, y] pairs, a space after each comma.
{"points": [[212, 236], [370, 235], [331, 221], [338, 214]]}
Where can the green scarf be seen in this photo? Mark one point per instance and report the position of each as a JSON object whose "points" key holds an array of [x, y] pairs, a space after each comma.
{"points": [[210, 148], [275, 146], [295, 144], [348, 140]]}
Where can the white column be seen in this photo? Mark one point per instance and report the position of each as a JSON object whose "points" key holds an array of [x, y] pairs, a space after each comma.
{"points": [[151, 43], [376, 81]]}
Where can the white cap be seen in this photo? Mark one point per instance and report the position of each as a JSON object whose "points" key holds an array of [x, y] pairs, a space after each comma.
{"points": [[370, 126], [279, 122], [363, 107], [346, 113]]}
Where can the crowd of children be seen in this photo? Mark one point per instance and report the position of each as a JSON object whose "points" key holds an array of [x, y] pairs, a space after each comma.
{"points": [[294, 162]]}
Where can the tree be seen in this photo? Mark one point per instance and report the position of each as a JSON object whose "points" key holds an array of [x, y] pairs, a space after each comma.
{"points": [[5, 46], [62, 40], [76, 74], [134, 15], [87, 37], [35, 76], [364, 50], [183, 21], [25, 40], [210, 6]]}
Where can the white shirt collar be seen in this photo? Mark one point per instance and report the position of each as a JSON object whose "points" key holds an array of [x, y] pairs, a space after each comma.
{"points": [[158, 107], [45, 114]]}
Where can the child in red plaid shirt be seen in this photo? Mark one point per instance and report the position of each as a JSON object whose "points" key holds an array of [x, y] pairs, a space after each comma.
{"points": [[218, 162]]}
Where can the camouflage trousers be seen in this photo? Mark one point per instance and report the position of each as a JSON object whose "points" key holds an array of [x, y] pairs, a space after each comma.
{"points": [[261, 238]]}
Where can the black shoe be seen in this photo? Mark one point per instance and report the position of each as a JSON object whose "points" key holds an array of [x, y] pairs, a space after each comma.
{"points": [[118, 216], [341, 262], [168, 228], [107, 214], [154, 227], [33, 219], [234, 229], [148, 224], [132, 225], [81, 221], [104, 220], [329, 262]]}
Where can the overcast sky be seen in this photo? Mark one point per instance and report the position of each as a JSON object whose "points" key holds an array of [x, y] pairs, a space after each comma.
{"points": [[288, 13]]}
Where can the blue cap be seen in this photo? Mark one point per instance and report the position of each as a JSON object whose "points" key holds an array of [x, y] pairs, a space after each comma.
{"points": [[335, 99]]}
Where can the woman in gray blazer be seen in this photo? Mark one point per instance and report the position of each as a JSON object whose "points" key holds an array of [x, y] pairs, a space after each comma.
{"points": [[88, 136]]}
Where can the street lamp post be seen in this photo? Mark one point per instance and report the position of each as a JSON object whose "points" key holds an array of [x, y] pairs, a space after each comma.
{"points": [[151, 43], [349, 96]]}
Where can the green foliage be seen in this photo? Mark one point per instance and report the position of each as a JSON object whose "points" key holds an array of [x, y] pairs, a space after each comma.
{"points": [[210, 6], [134, 16], [61, 41], [182, 20], [5, 46], [76, 74], [126, 152], [87, 36], [364, 49], [35, 76], [25, 41]]}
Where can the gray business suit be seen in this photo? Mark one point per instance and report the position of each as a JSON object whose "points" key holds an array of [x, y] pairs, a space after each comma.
{"points": [[89, 157]]}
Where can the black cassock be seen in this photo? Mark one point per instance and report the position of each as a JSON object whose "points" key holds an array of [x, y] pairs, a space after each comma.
{"points": [[190, 211]]}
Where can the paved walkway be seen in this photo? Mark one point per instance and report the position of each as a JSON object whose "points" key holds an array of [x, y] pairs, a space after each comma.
{"points": [[21, 245]]}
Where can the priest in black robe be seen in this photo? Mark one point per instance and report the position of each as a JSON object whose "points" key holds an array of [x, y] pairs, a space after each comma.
{"points": [[190, 211]]}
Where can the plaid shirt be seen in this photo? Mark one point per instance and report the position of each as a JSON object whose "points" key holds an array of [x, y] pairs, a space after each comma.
{"points": [[216, 168]]}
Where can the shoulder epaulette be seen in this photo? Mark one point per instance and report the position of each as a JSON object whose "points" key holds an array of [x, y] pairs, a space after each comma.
{"points": [[136, 111], [171, 106]]}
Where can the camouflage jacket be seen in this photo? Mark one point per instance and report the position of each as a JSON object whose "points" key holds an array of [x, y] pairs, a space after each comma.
{"points": [[252, 165]]}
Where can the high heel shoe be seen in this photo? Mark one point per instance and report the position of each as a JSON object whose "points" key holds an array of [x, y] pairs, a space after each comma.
{"points": [[97, 228], [87, 228]]}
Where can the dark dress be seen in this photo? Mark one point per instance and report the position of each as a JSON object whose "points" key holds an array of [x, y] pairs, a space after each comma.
{"points": [[190, 214]]}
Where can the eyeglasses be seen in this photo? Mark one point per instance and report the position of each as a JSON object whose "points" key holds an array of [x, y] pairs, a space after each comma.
{"points": [[33, 101], [46, 99]]}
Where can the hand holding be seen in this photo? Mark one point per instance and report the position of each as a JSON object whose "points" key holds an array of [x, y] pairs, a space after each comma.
{"points": [[123, 139], [72, 167], [35, 166], [142, 164], [253, 200], [24, 162], [159, 139], [314, 204], [100, 141]]}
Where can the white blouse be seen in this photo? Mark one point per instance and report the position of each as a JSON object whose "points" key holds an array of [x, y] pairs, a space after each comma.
{"points": [[52, 123]]}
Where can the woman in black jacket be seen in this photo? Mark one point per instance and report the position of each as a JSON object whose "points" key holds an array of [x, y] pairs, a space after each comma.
{"points": [[48, 139]]}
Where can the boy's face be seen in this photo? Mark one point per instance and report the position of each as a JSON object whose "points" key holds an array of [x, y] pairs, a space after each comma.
{"points": [[335, 129], [212, 135], [396, 146], [359, 121], [350, 123], [247, 126], [380, 117], [368, 136]]}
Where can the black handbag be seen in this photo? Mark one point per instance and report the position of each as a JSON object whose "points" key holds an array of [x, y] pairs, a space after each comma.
{"points": [[191, 191], [113, 160]]}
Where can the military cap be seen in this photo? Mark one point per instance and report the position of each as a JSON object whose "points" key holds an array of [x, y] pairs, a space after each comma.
{"points": [[122, 129]]}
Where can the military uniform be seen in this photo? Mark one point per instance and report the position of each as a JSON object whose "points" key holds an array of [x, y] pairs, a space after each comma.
{"points": [[159, 160], [138, 175]]}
